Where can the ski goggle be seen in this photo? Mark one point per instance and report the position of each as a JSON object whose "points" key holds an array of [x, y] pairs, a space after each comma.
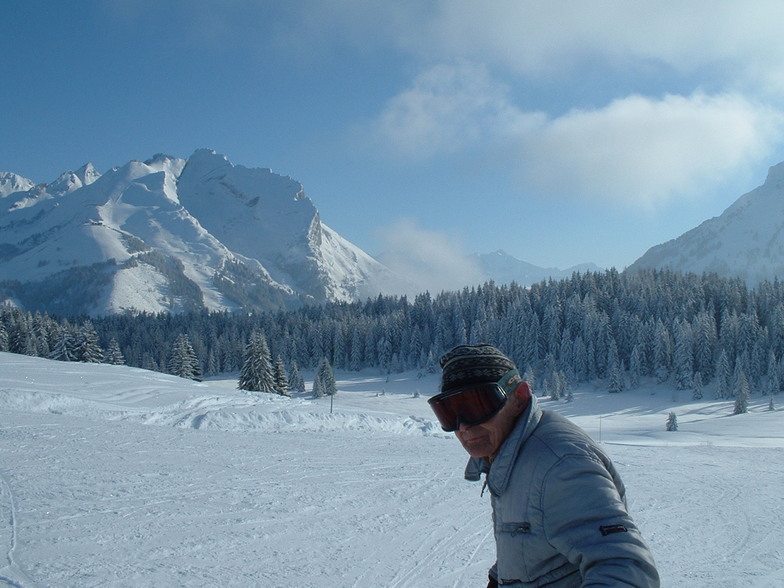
{"points": [[471, 405]]}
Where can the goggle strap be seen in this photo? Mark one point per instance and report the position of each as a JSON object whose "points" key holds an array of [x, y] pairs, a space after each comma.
{"points": [[507, 377]]}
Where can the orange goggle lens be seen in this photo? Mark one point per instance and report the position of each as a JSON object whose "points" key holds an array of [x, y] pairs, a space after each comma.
{"points": [[468, 406]]}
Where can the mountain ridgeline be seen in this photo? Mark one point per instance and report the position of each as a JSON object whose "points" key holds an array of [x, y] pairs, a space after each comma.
{"points": [[174, 235], [184, 235]]}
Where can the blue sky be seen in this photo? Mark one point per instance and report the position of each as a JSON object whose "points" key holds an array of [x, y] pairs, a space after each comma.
{"points": [[560, 132]]}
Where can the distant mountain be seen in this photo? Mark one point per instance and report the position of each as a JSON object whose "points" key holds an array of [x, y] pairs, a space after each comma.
{"points": [[745, 241], [10, 183], [171, 234], [502, 268]]}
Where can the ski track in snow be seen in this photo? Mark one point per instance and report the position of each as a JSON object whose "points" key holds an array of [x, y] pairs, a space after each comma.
{"points": [[115, 477], [10, 573]]}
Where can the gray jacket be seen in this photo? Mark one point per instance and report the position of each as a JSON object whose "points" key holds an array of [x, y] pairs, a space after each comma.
{"points": [[559, 510]]}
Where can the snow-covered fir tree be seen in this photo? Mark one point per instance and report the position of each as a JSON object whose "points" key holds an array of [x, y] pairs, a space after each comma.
{"points": [[696, 393], [296, 381], [559, 385], [113, 354], [281, 381], [256, 374], [64, 348], [723, 376], [182, 360], [683, 357], [326, 378], [635, 367], [3, 337], [742, 391], [318, 388], [87, 348]]}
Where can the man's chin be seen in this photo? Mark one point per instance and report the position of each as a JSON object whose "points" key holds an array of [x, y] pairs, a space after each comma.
{"points": [[478, 449]]}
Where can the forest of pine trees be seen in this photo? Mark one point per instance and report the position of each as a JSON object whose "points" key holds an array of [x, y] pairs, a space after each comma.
{"points": [[704, 334]]}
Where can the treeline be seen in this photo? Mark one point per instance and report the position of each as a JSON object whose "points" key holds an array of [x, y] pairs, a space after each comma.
{"points": [[693, 331]]}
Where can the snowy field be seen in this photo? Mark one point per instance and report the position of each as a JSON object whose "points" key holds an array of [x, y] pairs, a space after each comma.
{"points": [[115, 476]]}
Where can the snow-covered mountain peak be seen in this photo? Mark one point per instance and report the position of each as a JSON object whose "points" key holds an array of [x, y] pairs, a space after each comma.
{"points": [[11, 183], [166, 163], [88, 174], [70, 180]]}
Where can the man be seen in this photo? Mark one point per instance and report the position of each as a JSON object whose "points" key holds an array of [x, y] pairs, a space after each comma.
{"points": [[559, 506]]}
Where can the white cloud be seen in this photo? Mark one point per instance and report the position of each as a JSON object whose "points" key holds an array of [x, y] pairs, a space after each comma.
{"points": [[637, 150], [642, 151], [448, 108], [431, 260], [740, 39]]}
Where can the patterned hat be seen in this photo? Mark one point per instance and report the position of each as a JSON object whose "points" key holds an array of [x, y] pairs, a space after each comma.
{"points": [[466, 365]]}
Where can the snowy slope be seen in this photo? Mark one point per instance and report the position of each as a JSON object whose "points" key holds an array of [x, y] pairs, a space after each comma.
{"points": [[113, 476], [745, 241]]}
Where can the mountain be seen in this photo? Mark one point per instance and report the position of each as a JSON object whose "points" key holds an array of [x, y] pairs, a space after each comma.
{"points": [[745, 241], [503, 268], [170, 234], [11, 183]]}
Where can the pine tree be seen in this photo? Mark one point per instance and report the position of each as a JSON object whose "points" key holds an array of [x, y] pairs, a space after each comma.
{"points": [[697, 390], [742, 392], [772, 385], [296, 381], [672, 422], [3, 337], [326, 378], [183, 361], [615, 381], [318, 389], [87, 348], [281, 382], [64, 344], [683, 357], [723, 377], [256, 374], [113, 354], [662, 352], [561, 383], [635, 367], [705, 340]]}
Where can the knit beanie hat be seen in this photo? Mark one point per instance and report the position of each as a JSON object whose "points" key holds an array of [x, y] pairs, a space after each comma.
{"points": [[466, 365]]}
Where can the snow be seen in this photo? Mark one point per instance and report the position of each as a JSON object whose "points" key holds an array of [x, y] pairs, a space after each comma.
{"points": [[135, 287], [116, 476]]}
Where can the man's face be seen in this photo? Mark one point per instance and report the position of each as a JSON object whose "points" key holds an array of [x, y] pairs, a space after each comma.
{"points": [[485, 439]]}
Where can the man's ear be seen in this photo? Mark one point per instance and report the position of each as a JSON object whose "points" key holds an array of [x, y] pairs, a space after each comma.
{"points": [[523, 392]]}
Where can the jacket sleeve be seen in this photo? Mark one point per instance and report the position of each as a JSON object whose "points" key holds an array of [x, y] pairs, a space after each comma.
{"points": [[585, 518]]}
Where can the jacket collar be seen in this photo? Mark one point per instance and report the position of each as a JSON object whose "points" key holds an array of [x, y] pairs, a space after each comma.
{"points": [[499, 473]]}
